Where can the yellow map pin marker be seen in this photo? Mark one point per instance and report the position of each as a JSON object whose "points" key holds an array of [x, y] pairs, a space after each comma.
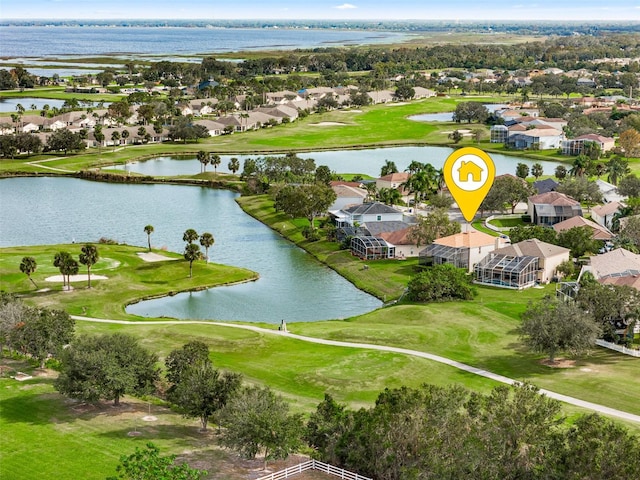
{"points": [[469, 174]]}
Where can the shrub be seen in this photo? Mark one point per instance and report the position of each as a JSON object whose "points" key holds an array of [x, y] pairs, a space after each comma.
{"points": [[440, 283]]}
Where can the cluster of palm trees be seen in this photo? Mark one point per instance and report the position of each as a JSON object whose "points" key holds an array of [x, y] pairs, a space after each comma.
{"points": [[192, 250], [424, 180], [67, 265], [616, 168], [214, 159]]}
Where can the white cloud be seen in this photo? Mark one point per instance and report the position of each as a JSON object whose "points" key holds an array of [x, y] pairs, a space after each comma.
{"points": [[346, 6]]}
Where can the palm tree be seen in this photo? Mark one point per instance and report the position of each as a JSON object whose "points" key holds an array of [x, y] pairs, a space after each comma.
{"points": [[206, 240], [190, 235], [617, 168], [203, 158], [388, 167], [115, 137], [234, 165], [580, 165], [414, 167], [89, 257], [215, 161], [372, 191], [148, 230], [389, 196], [28, 266], [124, 135], [67, 265], [192, 253]]}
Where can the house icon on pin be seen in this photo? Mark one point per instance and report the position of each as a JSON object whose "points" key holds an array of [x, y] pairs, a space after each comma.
{"points": [[470, 168]]}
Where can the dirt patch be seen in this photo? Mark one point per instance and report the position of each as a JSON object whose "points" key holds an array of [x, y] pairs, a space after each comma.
{"points": [[328, 124], [559, 363], [153, 257], [75, 278]]}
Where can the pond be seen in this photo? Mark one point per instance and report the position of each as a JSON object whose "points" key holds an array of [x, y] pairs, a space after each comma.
{"points": [[365, 162], [292, 285], [10, 104], [448, 116]]}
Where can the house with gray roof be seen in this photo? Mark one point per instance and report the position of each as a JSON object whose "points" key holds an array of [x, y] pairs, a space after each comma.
{"points": [[549, 208], [366, 213], [521, 265]]}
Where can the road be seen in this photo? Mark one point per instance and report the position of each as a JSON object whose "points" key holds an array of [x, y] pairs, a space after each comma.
{"points": [[383, 348]]}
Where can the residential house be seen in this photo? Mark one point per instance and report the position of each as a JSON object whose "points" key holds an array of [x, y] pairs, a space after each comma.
{"points": [[346, 196], [619, 262], [603, 214], [463, 250], [366, 213], [599, 232], [549, 208], [546, 185], [575, 146], [537, 138], [256, 120], [238, 125], [499, 133], [396, 234], [319, 92], [214, 128], [521, 265], [201, 107], [279, 112], [395, 181], [369, 224], [421, 92], [381, 96], [609, 192]]}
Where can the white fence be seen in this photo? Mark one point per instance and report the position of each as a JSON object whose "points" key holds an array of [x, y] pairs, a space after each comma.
{"points": [[618, 348], [313, 465]]}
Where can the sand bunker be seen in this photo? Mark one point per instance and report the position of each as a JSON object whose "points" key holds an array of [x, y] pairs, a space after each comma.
{"points": [[328, 124], [153, 257], [75, 278]]}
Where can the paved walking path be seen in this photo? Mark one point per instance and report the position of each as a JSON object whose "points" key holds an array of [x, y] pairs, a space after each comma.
{"points": [[38, 163], [429, 356]]}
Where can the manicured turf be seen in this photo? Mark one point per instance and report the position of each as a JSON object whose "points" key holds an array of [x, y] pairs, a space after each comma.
{"points": [[129, 278]]}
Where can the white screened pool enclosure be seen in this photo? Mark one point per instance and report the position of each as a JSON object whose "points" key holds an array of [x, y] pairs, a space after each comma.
{"points": [[507, 271], [371, 248]]}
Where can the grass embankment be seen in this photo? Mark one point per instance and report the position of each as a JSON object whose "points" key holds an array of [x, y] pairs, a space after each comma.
{"points": [[129, 278], [59, 93], [481, 332], [378, 125]]}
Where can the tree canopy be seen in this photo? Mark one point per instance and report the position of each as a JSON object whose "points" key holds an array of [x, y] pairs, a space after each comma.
{"points": [[258, 421], [306, 201], [148, 464], [440, 283], [551, 326], [106, 367]]}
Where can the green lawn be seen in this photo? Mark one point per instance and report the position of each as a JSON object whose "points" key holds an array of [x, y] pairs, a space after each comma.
{"points": [[507, 222], [129, 278]]}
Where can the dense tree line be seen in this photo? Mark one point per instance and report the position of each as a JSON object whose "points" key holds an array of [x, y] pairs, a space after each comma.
{"points": [[37, 332], [452, 433]]}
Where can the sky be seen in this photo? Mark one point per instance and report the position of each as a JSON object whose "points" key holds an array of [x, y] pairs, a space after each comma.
{"points": [[559, 10]]}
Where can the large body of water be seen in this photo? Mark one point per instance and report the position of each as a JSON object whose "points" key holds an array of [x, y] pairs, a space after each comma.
{"points": [[42, 41], [292, 285], [366, 161]]}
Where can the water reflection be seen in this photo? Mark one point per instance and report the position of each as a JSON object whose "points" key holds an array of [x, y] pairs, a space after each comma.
{"points": [[292, 285], [365, 161]]}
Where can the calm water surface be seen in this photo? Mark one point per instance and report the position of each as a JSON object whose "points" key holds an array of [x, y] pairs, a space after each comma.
{"points": [[367, 161], [91, 40], [292, 285], [10, 104]]}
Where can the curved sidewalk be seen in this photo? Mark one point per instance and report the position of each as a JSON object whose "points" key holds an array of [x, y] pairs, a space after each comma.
{"points": [[368, 346]]}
